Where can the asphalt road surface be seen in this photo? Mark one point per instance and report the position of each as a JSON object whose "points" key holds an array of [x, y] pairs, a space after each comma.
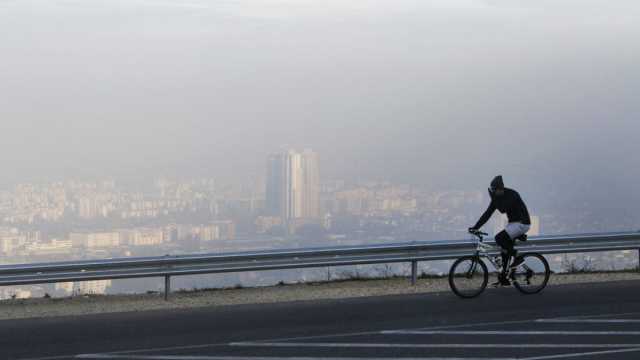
{"points": [[585, 322]]}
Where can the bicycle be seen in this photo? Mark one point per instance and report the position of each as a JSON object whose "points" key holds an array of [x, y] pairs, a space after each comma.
{"points": [[469, 276]]}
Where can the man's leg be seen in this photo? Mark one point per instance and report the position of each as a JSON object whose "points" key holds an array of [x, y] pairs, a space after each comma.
{"points": [[506, 243], [515, 230], [504, 240]]}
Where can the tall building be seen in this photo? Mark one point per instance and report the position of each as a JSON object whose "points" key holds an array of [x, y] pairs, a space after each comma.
{"points": [[311, 185], [293, 185]]}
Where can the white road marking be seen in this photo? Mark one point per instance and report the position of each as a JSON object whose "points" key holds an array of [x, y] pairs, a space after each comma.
{"points": [[597, 316], [183, 357], [444, 327], [170, 348], [202, 346], [431, 346], [589, 321], [593, 353], [323, 336], [461, 326], [50, 357], [501, 332]]}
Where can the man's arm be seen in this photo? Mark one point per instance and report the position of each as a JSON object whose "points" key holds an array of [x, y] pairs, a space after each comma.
{"points": [[485, 217]]}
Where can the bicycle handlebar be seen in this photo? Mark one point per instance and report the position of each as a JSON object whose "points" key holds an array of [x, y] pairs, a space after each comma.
{"points": [[478, 233]]}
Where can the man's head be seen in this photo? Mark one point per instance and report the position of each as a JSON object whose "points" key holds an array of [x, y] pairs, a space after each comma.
{"points": [[497, 186]]}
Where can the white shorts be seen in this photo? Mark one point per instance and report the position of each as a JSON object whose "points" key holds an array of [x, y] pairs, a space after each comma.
{"points": [[516, 229]]}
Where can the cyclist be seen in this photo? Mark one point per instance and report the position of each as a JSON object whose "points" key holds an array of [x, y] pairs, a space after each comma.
{"points": [[507, 201]]}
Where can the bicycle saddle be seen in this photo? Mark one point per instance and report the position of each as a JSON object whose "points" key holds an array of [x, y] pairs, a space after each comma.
{"points": [[522, 237]]}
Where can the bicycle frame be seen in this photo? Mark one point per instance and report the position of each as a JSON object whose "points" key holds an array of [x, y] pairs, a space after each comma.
{"points": [[483, 249]]}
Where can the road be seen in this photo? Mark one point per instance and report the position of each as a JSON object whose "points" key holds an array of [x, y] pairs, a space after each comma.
{"points": [[585, 321]]}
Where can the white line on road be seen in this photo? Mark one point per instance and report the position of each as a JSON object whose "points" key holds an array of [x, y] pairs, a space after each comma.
{"points": [[491, 332], [589, 321], [187, 357], [58, 357], [606, 315], [444, 327], [169, 348], [459, 326], [593, 353], [599, 316], [431, 346]]}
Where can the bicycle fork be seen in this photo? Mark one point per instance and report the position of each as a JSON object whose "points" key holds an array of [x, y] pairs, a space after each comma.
{"points": [[474, 266]]}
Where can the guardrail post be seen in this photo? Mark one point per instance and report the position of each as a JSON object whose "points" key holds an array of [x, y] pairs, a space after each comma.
{"points": [[414, 272], [167, 287]]}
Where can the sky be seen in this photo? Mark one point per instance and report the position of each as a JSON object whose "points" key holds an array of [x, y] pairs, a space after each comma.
{"points": [[443, 93]]}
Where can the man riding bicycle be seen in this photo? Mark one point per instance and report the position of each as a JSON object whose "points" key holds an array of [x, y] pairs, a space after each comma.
{"points": [[506, 201]]}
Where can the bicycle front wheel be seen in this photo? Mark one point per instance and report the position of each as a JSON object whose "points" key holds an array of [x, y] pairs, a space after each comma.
{"points": [[468, 277], [532, 275]]}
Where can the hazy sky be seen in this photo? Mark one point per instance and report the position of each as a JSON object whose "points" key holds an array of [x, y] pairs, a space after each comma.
{"points": [[444, 92]]}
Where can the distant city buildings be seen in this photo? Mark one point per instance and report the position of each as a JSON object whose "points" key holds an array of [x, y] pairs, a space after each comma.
{"points": [[75, 220], [54, 247], [217, 230], [371, 200], [95, 239], [11, 239], [92, 287], [289, 207], [265, 223]]}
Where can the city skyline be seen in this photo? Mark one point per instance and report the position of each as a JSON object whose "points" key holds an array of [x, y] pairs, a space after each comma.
{"points": [[96, 220]]}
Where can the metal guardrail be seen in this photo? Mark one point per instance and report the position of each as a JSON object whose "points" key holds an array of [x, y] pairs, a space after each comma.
{"points": [[168, 266]]}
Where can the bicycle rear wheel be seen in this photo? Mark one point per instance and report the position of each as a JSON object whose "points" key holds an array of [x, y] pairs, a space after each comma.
{"points": [[468, 277], [532, 275]]}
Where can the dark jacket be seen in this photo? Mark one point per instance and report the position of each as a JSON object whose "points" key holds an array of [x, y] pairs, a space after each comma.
{"points": [[511, 203]]}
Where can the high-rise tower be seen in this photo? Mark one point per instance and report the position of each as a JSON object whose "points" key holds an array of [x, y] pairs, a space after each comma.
{"points": [[310, 185], [293, 185]]}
